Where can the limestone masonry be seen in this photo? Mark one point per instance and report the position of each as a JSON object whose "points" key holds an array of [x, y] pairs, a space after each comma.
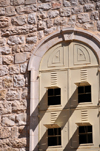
{"points": [[23, 25]]}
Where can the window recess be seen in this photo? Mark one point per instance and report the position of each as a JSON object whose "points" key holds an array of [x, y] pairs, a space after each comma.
{"points": [[54, 96], [84, 94], [85, 134], [54, 136]]}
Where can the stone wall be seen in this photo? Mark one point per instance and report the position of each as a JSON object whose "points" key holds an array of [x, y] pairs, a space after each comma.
{"points": [[23, 24]]}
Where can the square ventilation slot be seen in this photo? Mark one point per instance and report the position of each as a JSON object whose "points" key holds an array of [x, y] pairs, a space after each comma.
{"points": [[84, 115], [83, 75], [53, 78]]}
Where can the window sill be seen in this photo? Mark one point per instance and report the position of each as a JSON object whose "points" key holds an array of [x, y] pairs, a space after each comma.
{"points": [[89, 144], [59, 146], [85, 103]]}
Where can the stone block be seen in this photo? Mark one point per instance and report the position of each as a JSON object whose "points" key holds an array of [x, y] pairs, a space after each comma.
{"points": [[56, 5], [19, 20], [83, 18], [77, 10], [12, 40], [8, 60], [4, 132], [28, 47], [19, 81], [0, 82], [30, 1], [41, 25], [53, 14], [2, 95], [19, 106], [14, 69], [23, 67], [3, 70], [20, 57], [65, 12], [4, 22], [5, 50], [8, 120], [82, 2], [45, 6], [31, 40], [7, 82], [14, 132], [74, 2], [49, 23], [66, 3], [2, 11], [94, 15], [32, 18], [12, 94], [49, 31], [89, 7], [40, 34], [24, 93], [4, 3], [0, 60], [5, 108], [19, 143], [21, 119], [98, 5], [10, 11], [98, 25], [16, 2]]}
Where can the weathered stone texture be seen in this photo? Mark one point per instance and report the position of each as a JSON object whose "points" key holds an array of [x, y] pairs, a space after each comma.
{"points": [[20, 58], [65, 12], [8, 60], [32, 18], [16, 2], [4, 3], [4, 132], [83, 18], [2, 94], [8, 120], [3, 70], [10, 11], [7, 82], [5, 108], [19, 20], [13, 94], [14, 69], [15, 40], [21, 119], [19, 81]]}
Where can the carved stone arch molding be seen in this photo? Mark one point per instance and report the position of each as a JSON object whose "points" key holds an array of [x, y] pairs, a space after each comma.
{"points": [[69, 34]]}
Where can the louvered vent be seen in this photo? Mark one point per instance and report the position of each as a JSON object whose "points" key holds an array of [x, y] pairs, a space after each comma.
{"points": [[54, 116], [53, 78], [83, 75], [84, 115]]}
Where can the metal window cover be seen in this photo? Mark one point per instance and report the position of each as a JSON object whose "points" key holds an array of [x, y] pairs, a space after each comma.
{"points": [[51, 125], [82, 83], [83, 123]]}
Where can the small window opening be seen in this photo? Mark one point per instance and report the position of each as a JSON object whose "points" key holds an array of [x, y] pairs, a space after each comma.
{"points": [[85, 134], [84, 94], [54, 96], [54, 136]]}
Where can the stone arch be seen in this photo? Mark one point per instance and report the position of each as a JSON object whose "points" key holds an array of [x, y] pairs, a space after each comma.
{"points": [[69, 34]]}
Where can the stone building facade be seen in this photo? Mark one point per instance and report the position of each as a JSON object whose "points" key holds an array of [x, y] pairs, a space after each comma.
{"points": [[28, 28]]}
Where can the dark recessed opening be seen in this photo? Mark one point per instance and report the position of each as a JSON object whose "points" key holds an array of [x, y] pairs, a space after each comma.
{"points": [[85, 134], [84, 94], [54, 96], [54, 136]]}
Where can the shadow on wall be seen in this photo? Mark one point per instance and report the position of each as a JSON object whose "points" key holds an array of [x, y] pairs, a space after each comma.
{"points": [[62, 120]]}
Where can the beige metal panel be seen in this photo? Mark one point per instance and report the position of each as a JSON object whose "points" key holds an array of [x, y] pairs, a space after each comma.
{"points": [[81, 55]]}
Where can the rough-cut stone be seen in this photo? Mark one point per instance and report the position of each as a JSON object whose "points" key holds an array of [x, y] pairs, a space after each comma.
{"points": [[24, 93], [12, 94], [40, 35], [19, 81], [20, 57], [5, 50], [88, 25], [7, 82], [12, 40], [14, 132], [77, 10], [65, 12], [4, 22], [45, 6], [28, 47], [10, 11], [53, 14], [95, 15], [4, 3], [31, 40], [19, 20], [14, 69], [98, 25], [56, 5], [98, 5], [19, 106], [82, 2], [21, 119], [5, 108], [41, 25], [26, 9], [0, 60], [3, 70], [49, 31], [2, 11], [89, 7], [60, 21], [2, 42], [18, 30], [72, 21], [18, 143], [16, 2], [4, 132], [66, 3], [74, 2], [8, 60], [30, 1], [8, 120], [0, 82], [2, 94], [49, 23], [32, 18], [23, 67], [83, 18]]}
